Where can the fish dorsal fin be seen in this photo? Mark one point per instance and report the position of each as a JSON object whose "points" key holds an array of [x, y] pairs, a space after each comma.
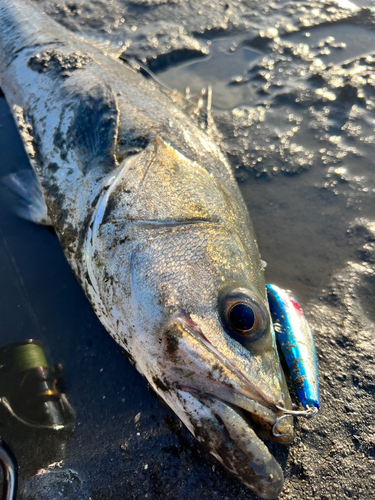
{"points": [[197, 106], [92, 135]]}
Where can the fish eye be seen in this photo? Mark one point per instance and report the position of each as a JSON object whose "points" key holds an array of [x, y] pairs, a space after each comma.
{"points": [[244, 314]]}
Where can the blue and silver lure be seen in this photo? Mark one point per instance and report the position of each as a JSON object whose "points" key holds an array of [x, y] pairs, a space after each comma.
{"points": [[297, 345]]}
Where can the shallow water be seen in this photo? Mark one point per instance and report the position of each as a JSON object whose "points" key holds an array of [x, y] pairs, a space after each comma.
{"points": [[294, 98]]}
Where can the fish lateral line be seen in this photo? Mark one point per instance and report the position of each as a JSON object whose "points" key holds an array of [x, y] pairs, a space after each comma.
{"points": [[166, 223]]}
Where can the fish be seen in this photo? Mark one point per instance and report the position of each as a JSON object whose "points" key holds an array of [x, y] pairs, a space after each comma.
{"points": [[154, 227]]}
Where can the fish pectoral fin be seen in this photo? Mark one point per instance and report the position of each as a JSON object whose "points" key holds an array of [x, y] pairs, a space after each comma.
{"points": [[29, 201], [92, 135], [30, 204]]}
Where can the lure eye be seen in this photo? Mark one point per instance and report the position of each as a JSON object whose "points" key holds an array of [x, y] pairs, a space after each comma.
{"points": [[244, 314]]}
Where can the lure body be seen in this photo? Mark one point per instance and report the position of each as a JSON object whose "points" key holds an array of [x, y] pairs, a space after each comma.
{"points": [[297, 344]]}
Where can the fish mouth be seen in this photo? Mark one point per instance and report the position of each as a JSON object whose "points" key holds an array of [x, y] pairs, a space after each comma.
{"points": [[260, 411], [229, 434], [262, 420], [226, 411]]}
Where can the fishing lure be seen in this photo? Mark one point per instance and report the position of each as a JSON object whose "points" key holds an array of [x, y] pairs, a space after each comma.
{"points": [[297, 345]]}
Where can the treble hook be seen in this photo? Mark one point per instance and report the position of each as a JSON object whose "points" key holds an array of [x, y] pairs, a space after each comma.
{"points": [[310, 412]]}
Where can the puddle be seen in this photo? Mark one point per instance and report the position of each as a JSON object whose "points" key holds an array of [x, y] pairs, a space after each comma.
{"points": [[225, 62]]}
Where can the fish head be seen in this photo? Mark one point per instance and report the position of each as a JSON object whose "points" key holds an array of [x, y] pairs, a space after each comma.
{"points": [[190, 295]]}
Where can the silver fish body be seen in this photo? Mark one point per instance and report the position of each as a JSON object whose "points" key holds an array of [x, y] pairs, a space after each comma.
{"points": [[155, 229]]}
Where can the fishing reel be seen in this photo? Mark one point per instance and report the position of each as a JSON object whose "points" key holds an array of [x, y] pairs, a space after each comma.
{"points": [[31, 391], [36, 418]]}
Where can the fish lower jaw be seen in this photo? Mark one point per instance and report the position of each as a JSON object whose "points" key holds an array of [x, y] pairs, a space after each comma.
{"points": [[261, 423], [228, 434], [264, 428]]}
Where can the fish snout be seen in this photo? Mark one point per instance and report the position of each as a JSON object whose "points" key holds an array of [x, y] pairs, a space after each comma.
{"points": [[192, 364]]}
